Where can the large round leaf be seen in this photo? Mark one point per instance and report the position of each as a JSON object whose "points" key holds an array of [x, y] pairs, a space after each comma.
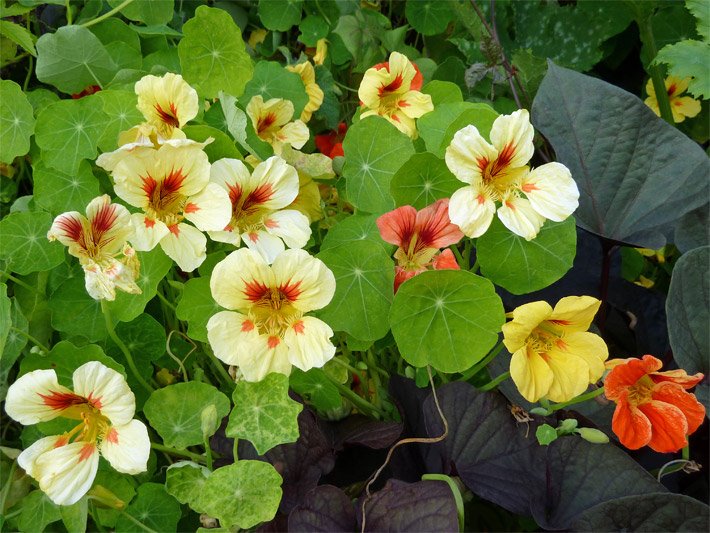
{"points": [[271, 80], [122, 111], [24, 243], [153, 507], [423, 180], [448, 319], [58, 191], [436, 127], [429, 17], [17, 122], [280, 15]]}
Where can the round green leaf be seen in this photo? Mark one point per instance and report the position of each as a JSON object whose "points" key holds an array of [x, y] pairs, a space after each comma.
{"points": [[242, 494], [17, 121], [356, 228], [435, 127], [521, 266], [374, 151], [315, 386], [74, 312], [271, 80], [263, 413], [443, 92], [73, 58], [448, 319], [184, 480], [58, 191], [280, 15], [25, 247], [150, 13], [68, 131], [423, 180], [364, 282], [144, 336], [429, 17], [175, 411], [212, 53], [312, 29], [196, 306], [120, 107], [153, 507]]}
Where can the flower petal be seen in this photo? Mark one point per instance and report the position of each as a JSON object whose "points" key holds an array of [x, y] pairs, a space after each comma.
{"points": [[26, 460], [272, 185], [471, 210], [512, 135], [684, 106], [167, 102], [669, 426], [269, 354], [295, 133], [66, 473], [210, 209], [397, 226], [290, 225], [228, 172], [415, 104], [148, 232], [267, 245], [518, 215], [309, 343], [531, 374], [526, 318], [71, 229], [445, 261], [629, 424], [107, 390], [186, 245], [435, 228], [110, 224], [571, 375], [127, 447], [238, 277], [552, 191], [674, 394], [574, 313], [589, 347], [232, 336], [37, 397], [468, 155], [306, 280], [625, 374]]}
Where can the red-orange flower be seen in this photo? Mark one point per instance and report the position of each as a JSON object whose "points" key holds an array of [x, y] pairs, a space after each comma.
{"points": [[331, 143], [652, 408], [418, 80]]}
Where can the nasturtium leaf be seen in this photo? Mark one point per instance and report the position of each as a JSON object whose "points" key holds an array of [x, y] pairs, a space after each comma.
{"points": [[167, 60], [435, 127], [121, 485], [423, 180], [152, 507], [37, 511], [312, 29], [15, 341], [280, 15], [74, 517], [620, 154], [150, 13], [443, 92], [65, 357], [25, 247], [364, 281], [315, 386], [18, 35], [58, 191], [647, 512], [185, 480], [263, 413], [521, 266], [240, 126], [68, 131], [74, 312], [325, 508], [212, 54], [175, 411], [196, 307], [40, 98], [359, 34], [144, 337], [221, 146], [114, 30], [120, 108], [685, 60], [17, 122], [428, 17], [242, 494], [448, 319], [73, 58], [124, 56], [271, 80], [374, 151], [354, 229], [154, 266]]}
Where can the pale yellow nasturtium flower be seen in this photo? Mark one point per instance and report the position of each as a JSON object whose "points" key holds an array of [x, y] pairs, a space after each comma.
{"points": [[167, 102], [682, 107], [103, 405], [315, 94], [256, 37], [272, 123], [99, 241], [554, 356], [266, 328], [386, 90], [321, 52], [498, 172]]}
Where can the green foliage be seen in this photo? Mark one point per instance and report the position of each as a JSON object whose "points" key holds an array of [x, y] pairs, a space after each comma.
{"points": [[58, 191], [438, 127], [17, 122], [37, 512], [353, 229], [315, 386], [422, 180], [150, 13], [65, 358], [280, 15], [271, 80], [429, 17], [196, 306], [25, 247], [185, 480], [685, 59], [153, 507]]}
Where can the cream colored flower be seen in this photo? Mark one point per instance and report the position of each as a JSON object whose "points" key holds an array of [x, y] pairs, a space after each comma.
{"points": [[271, 121], [166, 102], [315, 94]]}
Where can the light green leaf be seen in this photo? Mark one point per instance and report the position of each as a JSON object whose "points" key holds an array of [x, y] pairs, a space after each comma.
{"points": [[243, 494], [196, 306], [240, 126], [212, 54], [59, 192], [374, 151], [152, 507], [364, 284], [423, 180], [24, 243], [687, 59], [72, 59], [37, 513], [436, 313], [185, 480], [359, 35], [65, 358], [17, 122], [438, 127], [5, 317], [429, 17], [271, 80], [315, 386], [443, 92], [263, 413], [120, 108], [150, 13], [280, 15], [313, 28], [68, 131], [40, 98], [699, 9], [221, 145], [521, 266], [353, 229], [174, 411], [18, 35], [75, 312], [74, 517]]}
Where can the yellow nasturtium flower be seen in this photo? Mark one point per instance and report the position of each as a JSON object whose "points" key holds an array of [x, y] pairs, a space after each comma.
{"points": [[272, 123], [681, 106], [554, 356], [315, 94], [166, 102], [321, 52]]}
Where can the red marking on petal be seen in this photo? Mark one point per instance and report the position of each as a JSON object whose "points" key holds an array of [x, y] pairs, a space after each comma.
{"points": [[171, 183], [149, 185], [72, 228], [529, 187], [504, 157], [235, 193], [435, 228], [96, 402], [395, 118], [482, 163], [112, 436], [510, 205], [398, 226], [264, 122], [271, 223], [174, 229], [192, 208], [392, 86], [62, 400], [559, 322], [61, 441], [247, 325], [228, 228], [671, 89], [261, 194], [291, 290], [149, 223], [273, 341], [87, 451], [169, 117], [299, 327], [403, 103], [255, 290], [481, 199], [253, 237]]}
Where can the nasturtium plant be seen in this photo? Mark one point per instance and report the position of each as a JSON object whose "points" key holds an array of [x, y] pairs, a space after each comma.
{"points": [[331, 265]]}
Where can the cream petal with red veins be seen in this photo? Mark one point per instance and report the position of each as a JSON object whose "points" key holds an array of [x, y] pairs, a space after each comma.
{"points": [[37, 397], [290, 225], [232, 336], [185, 245], [273, 184], [518, 215], [309, 343], [310, 283], [468, 154], [471, 211], [552, 191], [107, 390], [269, 354], [210, 209], [127, 447], [167, 102], [66, 473], [237, 276], [110, 223], [148, 232], [415, 104], [26, 460], [514, 132], [229, 172]]}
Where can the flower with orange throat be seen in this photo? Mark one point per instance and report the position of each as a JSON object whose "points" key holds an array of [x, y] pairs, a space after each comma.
{"points": [[390, 91], [272, 123], [653, 408], [171, 185], [682, 107], [99, 241], [265, 329], [420, 235], [554, 356], [498, 173], [315, 94], [65, 465], [167, 102], [259, 200]]}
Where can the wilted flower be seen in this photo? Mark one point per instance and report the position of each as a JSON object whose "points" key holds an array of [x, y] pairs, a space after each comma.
{"points": [[266, 329], [682, 107], [271, 121], [97, 239], [65, 465], [653, 408], [315, 94], [554, 356]]}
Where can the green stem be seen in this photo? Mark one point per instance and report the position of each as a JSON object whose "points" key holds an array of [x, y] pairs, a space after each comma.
{"points": [[346, 365], [685, 453], [342, 86], [495, 382], [15, 59], [361, 403], [235, 449], [459, 258], [219, 367], [21, 283], [659, 86], [126, 352], [31, 339], [483, 362], [579, 399], [6, 488], [107, 14], [67, 5], [467, 248], [137, 522], [166, 301], [208, 452], [178, 453]]}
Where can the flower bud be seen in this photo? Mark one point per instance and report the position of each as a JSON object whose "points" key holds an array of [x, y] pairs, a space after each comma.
{"points": [[593, 435], [209, 422]]}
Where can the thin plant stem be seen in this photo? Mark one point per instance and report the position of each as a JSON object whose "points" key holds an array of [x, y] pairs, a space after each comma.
{"points": [[685, 452], [106, 15], [361, 403], [31, 339], [15, 59], [21, 283], [495, 382], [579, 399], [178, 453], [6, 488], [659, 85], [166, 301], [124, 349], [208, 452], [459, 258], [343, 86], [483, 362], [346, 365]]}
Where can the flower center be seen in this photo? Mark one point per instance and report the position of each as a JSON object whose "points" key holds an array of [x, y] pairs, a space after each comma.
{"points": [[272, 310], [248, 212], [640, 392], [165, 200]]}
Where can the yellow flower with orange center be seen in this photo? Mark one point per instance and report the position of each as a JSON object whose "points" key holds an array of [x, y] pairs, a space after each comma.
{"points": [[272, 123], [167, 102], [681, 106]]}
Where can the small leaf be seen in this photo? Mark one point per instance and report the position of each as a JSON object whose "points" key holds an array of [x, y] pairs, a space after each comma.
{"points": [[18, 35], [153, 507], [221, 146], [313, 28], [443, 92], [545, 434], [37, 512], [429, 17], [59, 192], [280, 15], [423, 180], [24, 243], [196, 306], [74, 517], [271, 80], [17, 122], [185, 480]]}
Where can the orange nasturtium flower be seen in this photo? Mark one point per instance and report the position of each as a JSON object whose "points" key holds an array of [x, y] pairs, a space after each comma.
{"points": [[420, 235], [681, 106], [652, 408], [554, 356]]}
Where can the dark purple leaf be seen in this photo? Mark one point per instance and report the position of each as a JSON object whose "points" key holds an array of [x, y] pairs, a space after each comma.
{"points": [[359, 429], [325, 508]]}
